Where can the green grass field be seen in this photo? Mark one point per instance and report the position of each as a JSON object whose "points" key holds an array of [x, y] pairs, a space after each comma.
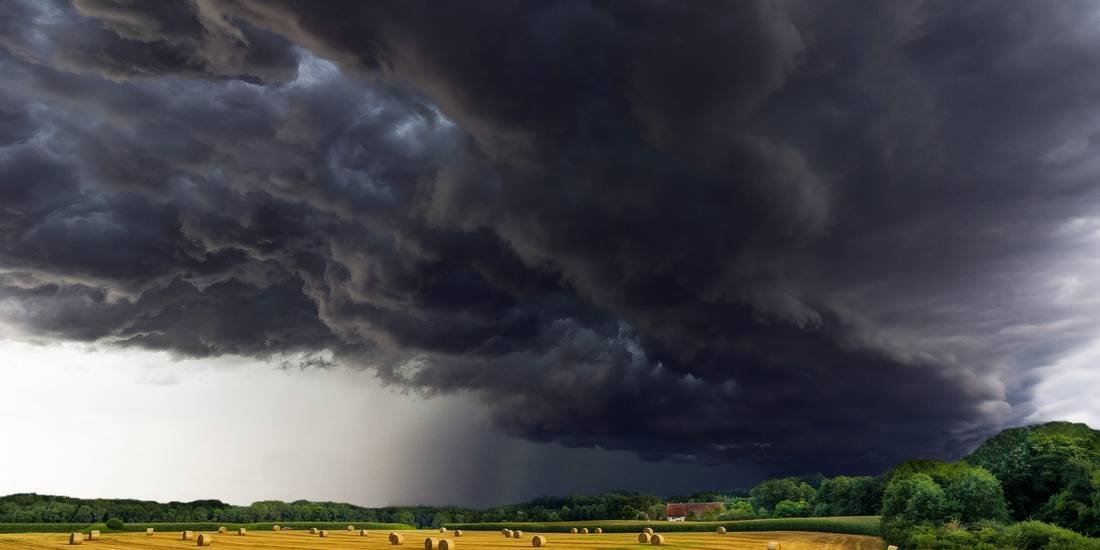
{"points": [[848, 525], [194, 526]]}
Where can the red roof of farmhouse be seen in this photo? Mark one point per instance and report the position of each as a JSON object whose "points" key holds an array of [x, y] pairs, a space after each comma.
{"points": [[679, 509]]}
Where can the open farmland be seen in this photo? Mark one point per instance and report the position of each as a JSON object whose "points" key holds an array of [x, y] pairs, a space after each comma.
{"points": [[480, 540], [848, 525]]}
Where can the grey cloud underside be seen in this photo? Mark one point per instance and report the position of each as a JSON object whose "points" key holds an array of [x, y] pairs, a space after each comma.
{"points": [[811, 236]]}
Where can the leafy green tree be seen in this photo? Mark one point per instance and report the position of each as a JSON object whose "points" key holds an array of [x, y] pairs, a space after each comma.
{"points": [[914, 499], [769, 493], [850, 496], [975, 494], [791, 509], [1045, 471], [738, 508]]}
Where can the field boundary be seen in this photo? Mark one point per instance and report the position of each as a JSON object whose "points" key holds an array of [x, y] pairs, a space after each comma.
{"points": [[850, 525], [196, 526]]}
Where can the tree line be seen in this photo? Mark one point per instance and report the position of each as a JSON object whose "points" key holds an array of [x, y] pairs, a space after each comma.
{"points": [[1030, 487]]}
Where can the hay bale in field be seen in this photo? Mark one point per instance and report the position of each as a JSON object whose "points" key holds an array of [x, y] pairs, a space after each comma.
{"points": [[773, 545], [205, 539], [584, 530], [538, 541], [322, 533], [313, 530], [431, 543], [891, 547], [94, 535], [222, 530], [351, 528], [657, 539], [648, 530], [362, 532], [187, 535], [396, 538], [599, 531], [458, 532], [644, 537], [447, 544], [242, 531], [76, 538], [506, 532], [148, 530], [517, 534], [276, 528], [573, 530], [720, 530], [442, 529]]}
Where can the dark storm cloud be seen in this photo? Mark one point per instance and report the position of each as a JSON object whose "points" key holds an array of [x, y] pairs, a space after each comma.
{"points": [[812, 236]]}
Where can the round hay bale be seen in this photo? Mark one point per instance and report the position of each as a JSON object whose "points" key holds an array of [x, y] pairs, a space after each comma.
{"points": [[274, 528], [148, 530], [351, 528], [447, 544], [644, 537], [362, 532], [573, 530], [720, 530], [94, 535], [242, 531], [187, 535], [396, 538], [773, 545], [76, 538], [657, 539], [584, 530], [458, 532], [442, 529], [648, 530], [431, 543], [891, 547], [313, 530], [506, 532], [538, 541], [599, 531], [322, 533], [517, 534], [205, 539], [222, 530]]}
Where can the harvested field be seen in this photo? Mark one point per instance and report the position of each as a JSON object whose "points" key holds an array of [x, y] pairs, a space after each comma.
{"points": [[471, 540]]}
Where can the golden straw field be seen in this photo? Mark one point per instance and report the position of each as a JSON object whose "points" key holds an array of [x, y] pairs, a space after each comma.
{"points": [[470, 540]]}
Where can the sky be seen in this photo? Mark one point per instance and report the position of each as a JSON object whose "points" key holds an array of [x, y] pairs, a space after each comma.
{"points": [[476, 252]]}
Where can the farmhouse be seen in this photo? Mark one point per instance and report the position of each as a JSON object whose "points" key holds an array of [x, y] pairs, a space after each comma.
{"points": [[679, 511]]}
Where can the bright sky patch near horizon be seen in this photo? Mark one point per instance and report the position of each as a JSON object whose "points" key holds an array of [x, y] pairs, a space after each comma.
{"points": [[98, 422]]}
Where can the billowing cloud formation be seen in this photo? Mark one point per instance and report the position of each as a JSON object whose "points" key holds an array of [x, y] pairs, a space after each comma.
{"points": [[803, 235]]}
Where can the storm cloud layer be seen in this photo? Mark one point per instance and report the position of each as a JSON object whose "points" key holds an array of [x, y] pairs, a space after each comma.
{"points": [[809, 236]]}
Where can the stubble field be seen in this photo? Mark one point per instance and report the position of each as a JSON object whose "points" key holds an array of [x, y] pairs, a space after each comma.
{"points": [[471, 540]]}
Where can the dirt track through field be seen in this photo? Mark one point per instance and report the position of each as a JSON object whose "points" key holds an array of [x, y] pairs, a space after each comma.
{"points": [[480, 540]]}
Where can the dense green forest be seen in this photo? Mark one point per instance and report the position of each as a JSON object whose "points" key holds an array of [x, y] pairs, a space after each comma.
{"points": [[1034, 487]]}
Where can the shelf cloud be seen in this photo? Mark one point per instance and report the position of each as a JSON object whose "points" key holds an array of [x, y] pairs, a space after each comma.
{"points": [[803, 236]]}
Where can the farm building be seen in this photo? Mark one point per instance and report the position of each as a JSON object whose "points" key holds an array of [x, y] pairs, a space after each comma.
{"points": [[679, 511]]}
